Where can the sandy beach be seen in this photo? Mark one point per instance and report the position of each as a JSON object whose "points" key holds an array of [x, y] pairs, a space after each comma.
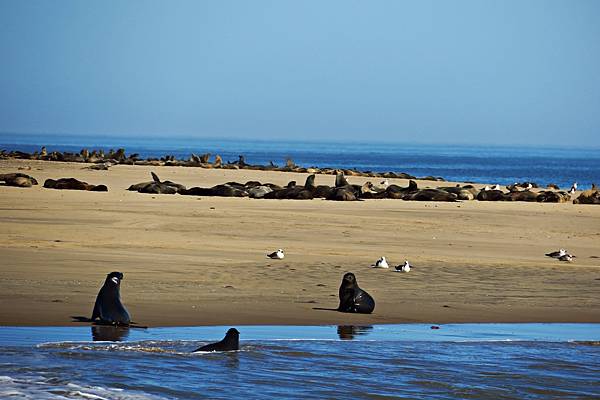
{"points": [[201, 261]]}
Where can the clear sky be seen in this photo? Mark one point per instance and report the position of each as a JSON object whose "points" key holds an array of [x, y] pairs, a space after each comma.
{"points": [[506, 72]]}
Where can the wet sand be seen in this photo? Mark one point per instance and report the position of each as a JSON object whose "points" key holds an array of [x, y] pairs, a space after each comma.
{"points": [[201, 261]]}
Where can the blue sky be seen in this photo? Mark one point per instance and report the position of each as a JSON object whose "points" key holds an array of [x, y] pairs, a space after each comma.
{"points": [[483, 72]]}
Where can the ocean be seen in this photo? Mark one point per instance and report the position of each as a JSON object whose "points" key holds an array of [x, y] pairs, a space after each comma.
{"points": [[481, 164], [408, 361]]}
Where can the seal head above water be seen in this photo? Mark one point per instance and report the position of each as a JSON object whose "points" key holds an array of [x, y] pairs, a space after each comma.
{"points": [[230, 342]]}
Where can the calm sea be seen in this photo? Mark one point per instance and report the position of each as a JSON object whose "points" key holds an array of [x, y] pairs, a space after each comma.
{"points": [[503, 165], [458, 361]]}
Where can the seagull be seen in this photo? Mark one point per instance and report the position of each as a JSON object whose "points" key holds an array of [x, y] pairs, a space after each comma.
{"points": [[557, 254], [573, 188], [566, 257], [496, 187], [381, 263], [528, 186], [403, 268], [276, 255]]}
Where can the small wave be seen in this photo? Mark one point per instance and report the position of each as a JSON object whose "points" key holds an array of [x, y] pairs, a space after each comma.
{"points": [[43, 388], [114, 347]]}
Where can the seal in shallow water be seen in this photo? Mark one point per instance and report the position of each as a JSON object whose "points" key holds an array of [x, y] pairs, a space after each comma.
{"points": [[352, 298], [108, 307], [231, 342]]}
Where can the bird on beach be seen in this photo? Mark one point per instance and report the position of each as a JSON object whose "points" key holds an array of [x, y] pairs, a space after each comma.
{"points": [[496, 187], [573, 188], [566, 257], [381, 263], [557, 254], [277, 255], [404, 267]]}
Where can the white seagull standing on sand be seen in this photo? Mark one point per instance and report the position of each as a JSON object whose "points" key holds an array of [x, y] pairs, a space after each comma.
{"points": [[573, 188], [276, 255], [403, 268], [566, 257], [557, 254], [381, 263]]}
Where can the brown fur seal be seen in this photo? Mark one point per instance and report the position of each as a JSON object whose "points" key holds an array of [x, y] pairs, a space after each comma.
{"points": [[231, 342], [18, 179], [157, 187], [73, 184], [352, 298], [430, 195], [108, 307]]}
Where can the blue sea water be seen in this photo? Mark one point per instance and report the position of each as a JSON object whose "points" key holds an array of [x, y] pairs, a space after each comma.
{"points": [[456, 361], [482, 164]]}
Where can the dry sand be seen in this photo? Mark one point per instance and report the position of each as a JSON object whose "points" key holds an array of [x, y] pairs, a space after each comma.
{"points": [[201, 261]]}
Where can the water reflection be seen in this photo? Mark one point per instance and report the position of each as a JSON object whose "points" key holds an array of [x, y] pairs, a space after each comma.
{"points": [[347, 332], [109, 333]]}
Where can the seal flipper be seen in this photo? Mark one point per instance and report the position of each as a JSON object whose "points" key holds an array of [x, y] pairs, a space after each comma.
{"points": [[80, 319], [96, 312], [155, 177]]}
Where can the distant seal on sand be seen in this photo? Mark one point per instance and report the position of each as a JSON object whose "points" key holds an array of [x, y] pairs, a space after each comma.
{"points": [[157, 187], [18, 179], [73, 184], [108, 307], [230, 342], [352, 298]]}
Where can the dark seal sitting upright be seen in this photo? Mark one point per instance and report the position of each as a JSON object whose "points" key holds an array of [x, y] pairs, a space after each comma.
{"points": [[108, 308], [352, 298], [231, 342]]}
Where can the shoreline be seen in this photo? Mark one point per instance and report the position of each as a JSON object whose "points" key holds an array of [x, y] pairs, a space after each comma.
{"points": [[200, 261], [565, 333], [119, 157]]}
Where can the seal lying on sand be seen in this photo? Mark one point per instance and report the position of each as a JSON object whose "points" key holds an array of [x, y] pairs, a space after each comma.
{"points": [[491, 195], [352, 298], [293, 191], [548, 196], [18, 179], [591, 196], [430, 195], [157, 187], [398, 192], [108, 307], [73, 184], [231, 342]]}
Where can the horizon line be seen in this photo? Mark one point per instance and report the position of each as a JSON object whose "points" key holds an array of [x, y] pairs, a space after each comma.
{"points": [[158, 138]]}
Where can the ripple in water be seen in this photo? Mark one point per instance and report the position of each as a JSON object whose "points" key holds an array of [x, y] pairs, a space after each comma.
{"points": [[361, 363]]}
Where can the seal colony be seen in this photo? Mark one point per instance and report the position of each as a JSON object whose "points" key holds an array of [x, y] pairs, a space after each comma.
{"points": [[341, 191], [115, 157], [344, 191]]}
